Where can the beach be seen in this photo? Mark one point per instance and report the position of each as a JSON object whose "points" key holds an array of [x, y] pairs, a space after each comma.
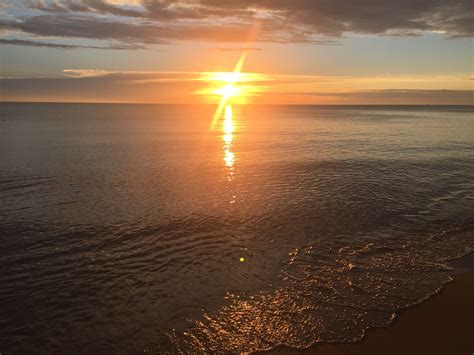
{"points": [[443, 324]]}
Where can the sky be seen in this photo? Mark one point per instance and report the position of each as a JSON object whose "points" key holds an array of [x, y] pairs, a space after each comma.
{"points": [[297, 52]]}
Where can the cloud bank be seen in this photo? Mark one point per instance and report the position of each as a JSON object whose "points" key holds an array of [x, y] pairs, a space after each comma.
{"points": [[93, 85], [134, 23]]}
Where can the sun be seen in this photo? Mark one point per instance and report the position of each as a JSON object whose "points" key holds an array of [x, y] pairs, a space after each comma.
{"points": [[238, 86], [235, 87], [228, 91]]}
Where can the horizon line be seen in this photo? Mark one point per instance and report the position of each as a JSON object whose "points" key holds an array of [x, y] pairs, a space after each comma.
{"points": [[214, 104]]}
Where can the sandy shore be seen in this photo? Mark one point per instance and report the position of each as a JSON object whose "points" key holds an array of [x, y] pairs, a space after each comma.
{"points": [[444, 324]]}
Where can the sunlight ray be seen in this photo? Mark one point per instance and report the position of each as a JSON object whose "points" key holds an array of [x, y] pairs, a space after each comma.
{"points": [[230, 91]]}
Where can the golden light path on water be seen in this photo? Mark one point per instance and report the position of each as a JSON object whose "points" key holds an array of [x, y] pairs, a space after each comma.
{"points": [[227, 92], [228, 130], [232, 87]]}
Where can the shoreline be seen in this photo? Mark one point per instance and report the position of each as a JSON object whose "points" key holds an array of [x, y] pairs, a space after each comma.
{"points": [[442, 324]]}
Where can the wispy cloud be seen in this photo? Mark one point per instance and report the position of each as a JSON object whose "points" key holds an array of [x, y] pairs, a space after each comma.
{"points": [[85, 73], [235, 49], [22, 42]]}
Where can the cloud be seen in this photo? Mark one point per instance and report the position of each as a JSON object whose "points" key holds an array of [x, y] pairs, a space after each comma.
{"points": [[235, 49], [93, 27], [281, 21], [85, 73], [97, 6], [395, 97], [334, 17], [134, 77], [96, 85], [107, 8], [90, 27], [102, 86], [20, 42]]}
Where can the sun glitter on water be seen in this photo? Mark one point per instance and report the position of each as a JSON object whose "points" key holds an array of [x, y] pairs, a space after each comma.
{"points": [[229, 88], [228, 130]]}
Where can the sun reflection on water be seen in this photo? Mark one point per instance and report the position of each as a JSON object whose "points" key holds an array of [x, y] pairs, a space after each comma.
{"points": [[228, 137]]}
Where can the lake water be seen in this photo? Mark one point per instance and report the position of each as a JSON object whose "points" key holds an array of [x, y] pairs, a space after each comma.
{"points": [[139, 228]]}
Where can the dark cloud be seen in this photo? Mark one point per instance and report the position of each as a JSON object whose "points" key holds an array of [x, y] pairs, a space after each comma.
{"points": [[90, 27], [20, 42], [106, 8], [52, 7], [93, 27], [98, 6], [334, 17], [297, 21]]}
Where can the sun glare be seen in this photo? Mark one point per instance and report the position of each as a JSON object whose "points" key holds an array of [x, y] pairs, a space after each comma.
{"points": [[228, 91], [239, 86], [233, 87]]}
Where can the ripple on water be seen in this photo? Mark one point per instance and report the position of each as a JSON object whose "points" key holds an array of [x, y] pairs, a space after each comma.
{"points": [[332, 292]]}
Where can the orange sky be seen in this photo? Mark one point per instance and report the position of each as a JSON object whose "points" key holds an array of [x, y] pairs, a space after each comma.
{"points": [[301, 52], [259, 88]]}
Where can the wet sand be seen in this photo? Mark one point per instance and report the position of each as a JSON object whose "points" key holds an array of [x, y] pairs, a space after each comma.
{"points": [[444, 324]]}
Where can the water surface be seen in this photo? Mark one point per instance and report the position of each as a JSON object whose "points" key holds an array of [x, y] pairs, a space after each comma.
{"points": [[122, 227]]}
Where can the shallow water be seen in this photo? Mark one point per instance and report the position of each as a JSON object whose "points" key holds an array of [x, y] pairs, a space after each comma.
{"points": [[122, 226]]}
